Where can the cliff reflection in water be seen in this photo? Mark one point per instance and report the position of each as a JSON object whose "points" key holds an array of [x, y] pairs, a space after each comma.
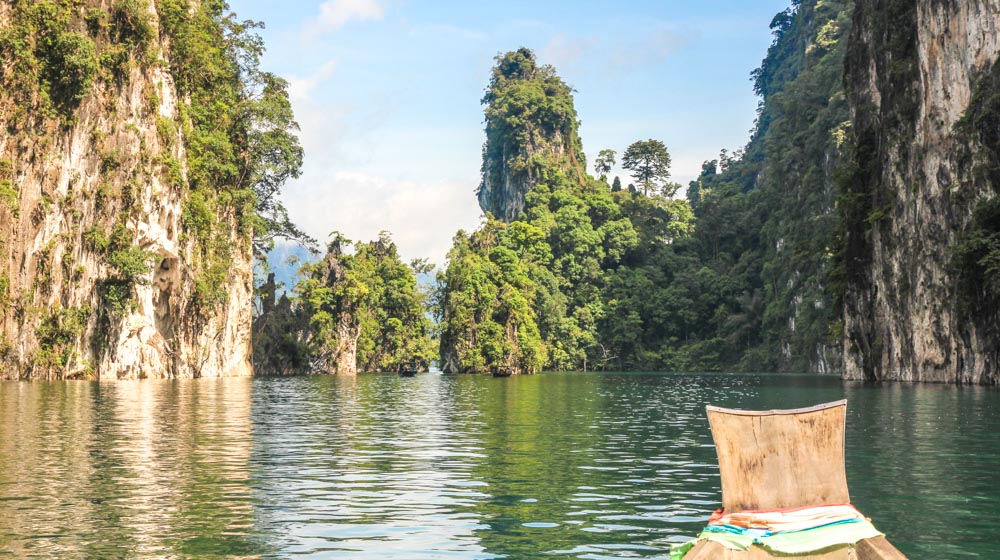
{"points": [[150, 469]]}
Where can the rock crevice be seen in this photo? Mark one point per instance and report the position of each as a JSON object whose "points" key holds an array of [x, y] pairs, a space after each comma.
{"points": [[911, 73]]}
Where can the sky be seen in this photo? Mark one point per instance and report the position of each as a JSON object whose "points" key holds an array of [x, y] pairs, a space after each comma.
{"points": [[387, 94]]}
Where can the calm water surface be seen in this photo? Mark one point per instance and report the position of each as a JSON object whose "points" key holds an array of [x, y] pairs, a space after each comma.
{"points": [[553, 465]]}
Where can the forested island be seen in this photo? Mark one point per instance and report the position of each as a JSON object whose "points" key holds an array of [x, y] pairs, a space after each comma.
{"points": [[858, 231]]}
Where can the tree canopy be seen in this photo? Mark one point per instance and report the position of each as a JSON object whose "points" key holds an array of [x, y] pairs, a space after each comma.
{"points": [[541, 292], [603, 163], [649, 162], [360, 297], [740, 275]]}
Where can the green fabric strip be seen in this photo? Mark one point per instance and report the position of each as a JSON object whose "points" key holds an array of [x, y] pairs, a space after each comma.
{"points": [[728, 540], [820, 538], [677, 551]]}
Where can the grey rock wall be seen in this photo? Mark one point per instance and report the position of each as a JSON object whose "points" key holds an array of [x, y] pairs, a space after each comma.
{"points": [[911, 72]]}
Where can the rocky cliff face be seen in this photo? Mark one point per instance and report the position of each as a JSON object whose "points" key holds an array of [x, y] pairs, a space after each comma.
{"points": [[100, 274], [280, 345], [528, 134], [921, 81], [506, 181]]}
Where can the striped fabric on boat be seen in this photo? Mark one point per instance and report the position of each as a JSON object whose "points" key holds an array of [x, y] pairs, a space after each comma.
{"points": [[788, 531]]}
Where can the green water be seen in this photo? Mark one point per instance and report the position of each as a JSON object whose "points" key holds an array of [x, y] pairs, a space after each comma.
{"points": [[552, 465]]}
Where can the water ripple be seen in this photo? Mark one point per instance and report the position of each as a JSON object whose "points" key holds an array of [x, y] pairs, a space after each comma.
{"points": [[467, 467]]}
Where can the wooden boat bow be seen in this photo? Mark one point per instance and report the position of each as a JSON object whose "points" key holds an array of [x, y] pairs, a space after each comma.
{"points": [[777, 459]]}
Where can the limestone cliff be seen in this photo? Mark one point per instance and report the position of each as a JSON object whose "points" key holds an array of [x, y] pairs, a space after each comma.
{"points": [[106, 269], [530, 132], [920, 302]]}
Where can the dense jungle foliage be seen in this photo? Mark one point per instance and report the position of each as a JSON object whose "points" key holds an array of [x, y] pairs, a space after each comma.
{"points": [[375, 292], [240, 132], [737, 276], [540, 292], [359, 308], [768, 228]]}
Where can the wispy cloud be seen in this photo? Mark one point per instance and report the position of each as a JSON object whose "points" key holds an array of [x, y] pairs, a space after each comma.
{"points": [[300, 89], [563, 51], [334, 14], [422, 216], [445, 31], [653, 48]]}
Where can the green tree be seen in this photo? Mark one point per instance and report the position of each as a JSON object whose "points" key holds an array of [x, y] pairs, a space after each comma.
{"points": [[649, 162], [368, 299], [616, 185], [603, 163], [273, 156], [241, 135]]}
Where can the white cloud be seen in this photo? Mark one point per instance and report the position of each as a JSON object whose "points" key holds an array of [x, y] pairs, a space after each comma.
{"points": [[333, 14], [653, 48], [363, 174], [422, 217]]}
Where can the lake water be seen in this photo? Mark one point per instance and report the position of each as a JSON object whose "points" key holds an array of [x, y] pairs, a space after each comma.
{"points": [[567, 465]]}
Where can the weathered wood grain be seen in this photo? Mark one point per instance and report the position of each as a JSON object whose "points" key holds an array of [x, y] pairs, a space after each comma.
{"points": [[781, 459]]}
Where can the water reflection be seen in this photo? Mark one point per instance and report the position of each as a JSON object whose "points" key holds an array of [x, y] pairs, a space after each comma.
{"points": [[43, 457], [554, 465], [377, 469], [139, 470]]}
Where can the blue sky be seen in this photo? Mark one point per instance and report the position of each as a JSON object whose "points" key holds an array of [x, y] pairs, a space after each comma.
{"points": [[387, 94]]}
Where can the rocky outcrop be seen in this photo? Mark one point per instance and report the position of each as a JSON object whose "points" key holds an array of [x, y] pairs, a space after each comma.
{"points": [[340, 355], [913, 71], [280, 331], [99, 273], [358, 309], [532, 132], [503, 188]]}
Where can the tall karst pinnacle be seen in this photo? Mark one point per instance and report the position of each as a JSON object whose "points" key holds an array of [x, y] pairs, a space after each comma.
{"points": [[531, 130]]}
